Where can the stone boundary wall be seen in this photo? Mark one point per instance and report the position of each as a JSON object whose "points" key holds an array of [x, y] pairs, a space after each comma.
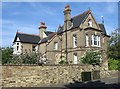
{"points": [[34, 75]]}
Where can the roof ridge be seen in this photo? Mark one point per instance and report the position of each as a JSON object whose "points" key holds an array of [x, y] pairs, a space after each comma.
{"points": [[81, 14], [27, 34]]}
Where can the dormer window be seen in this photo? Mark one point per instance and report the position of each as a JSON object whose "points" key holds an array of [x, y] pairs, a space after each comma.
{"points": [[90, 23]]}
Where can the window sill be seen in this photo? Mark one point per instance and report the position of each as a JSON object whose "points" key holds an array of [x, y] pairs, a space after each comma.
{"points": [[95, 46], [75, 47]]}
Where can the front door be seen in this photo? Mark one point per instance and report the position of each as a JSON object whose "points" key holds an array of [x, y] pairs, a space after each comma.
{"points": [[75, 58]]}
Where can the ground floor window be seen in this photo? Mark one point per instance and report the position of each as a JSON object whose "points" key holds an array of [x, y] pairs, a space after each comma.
{"points": [[33, 48], [75, 58]]}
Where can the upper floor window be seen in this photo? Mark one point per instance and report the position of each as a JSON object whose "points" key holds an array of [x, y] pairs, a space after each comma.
{"points": [[95, 40], [90, 22], [74, 40], [87, 40], [56, 45]]}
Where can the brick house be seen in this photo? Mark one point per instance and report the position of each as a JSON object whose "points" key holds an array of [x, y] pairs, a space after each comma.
{"points": [[77, 35]]}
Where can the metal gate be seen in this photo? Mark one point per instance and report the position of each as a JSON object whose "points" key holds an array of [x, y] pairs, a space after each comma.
{"points": [[86, 76]]}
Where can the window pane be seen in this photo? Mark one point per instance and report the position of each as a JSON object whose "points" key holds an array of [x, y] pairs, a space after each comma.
{"points": [[95, 40], [87, 40], [74, 41]]}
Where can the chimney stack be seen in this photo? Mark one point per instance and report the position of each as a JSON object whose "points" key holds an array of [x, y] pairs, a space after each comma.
{"points": [[67, 17], [42, 28]]}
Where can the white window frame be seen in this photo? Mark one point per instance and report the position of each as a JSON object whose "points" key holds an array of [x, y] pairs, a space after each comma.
{"points": [[55, 45], [87, 40], [74, 40], [75, 58], [95, 41]]}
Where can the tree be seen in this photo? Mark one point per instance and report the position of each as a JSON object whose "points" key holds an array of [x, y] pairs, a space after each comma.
{"points": [[92, 58], [6, 55], [114, 45]]}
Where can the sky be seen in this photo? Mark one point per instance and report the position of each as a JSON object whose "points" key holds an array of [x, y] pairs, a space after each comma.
{"points": [[26, 16]]}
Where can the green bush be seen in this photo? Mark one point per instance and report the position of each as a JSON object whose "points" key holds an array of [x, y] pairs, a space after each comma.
{"points": [[6, 55], [63, 62], [9, 58], [113, 64], [92, 58]]}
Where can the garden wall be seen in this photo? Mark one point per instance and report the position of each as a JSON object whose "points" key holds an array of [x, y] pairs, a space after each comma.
{"points": [[34, 75]]}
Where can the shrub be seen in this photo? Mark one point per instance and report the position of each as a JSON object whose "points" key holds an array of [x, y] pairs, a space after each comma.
{"points": [[92, 58], [6, 55], [113, 64]]}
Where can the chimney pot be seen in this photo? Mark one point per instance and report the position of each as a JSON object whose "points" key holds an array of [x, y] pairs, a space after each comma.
{"points": [[42, 25], [67, 6]]}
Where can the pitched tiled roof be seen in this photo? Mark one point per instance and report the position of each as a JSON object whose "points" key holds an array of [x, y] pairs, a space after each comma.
{"points": [[46, 38], [27, 38], [102, 27], [48, 32], [77, 20]]}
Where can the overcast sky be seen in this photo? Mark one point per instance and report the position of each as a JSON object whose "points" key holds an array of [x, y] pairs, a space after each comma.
{"points": [[26, 16]]}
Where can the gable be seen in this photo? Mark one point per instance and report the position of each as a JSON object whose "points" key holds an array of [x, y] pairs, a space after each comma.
{"points": [[26, 38], [92, 19], [77, 20]]}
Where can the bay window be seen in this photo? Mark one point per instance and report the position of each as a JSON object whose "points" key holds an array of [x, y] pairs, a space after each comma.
{"points": [[95, 41]]}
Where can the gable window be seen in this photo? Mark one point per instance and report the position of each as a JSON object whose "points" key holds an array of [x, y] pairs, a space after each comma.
{"points": [[56, 45], [74, 41], [95, 40], [87, 40], [90, 22]]}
